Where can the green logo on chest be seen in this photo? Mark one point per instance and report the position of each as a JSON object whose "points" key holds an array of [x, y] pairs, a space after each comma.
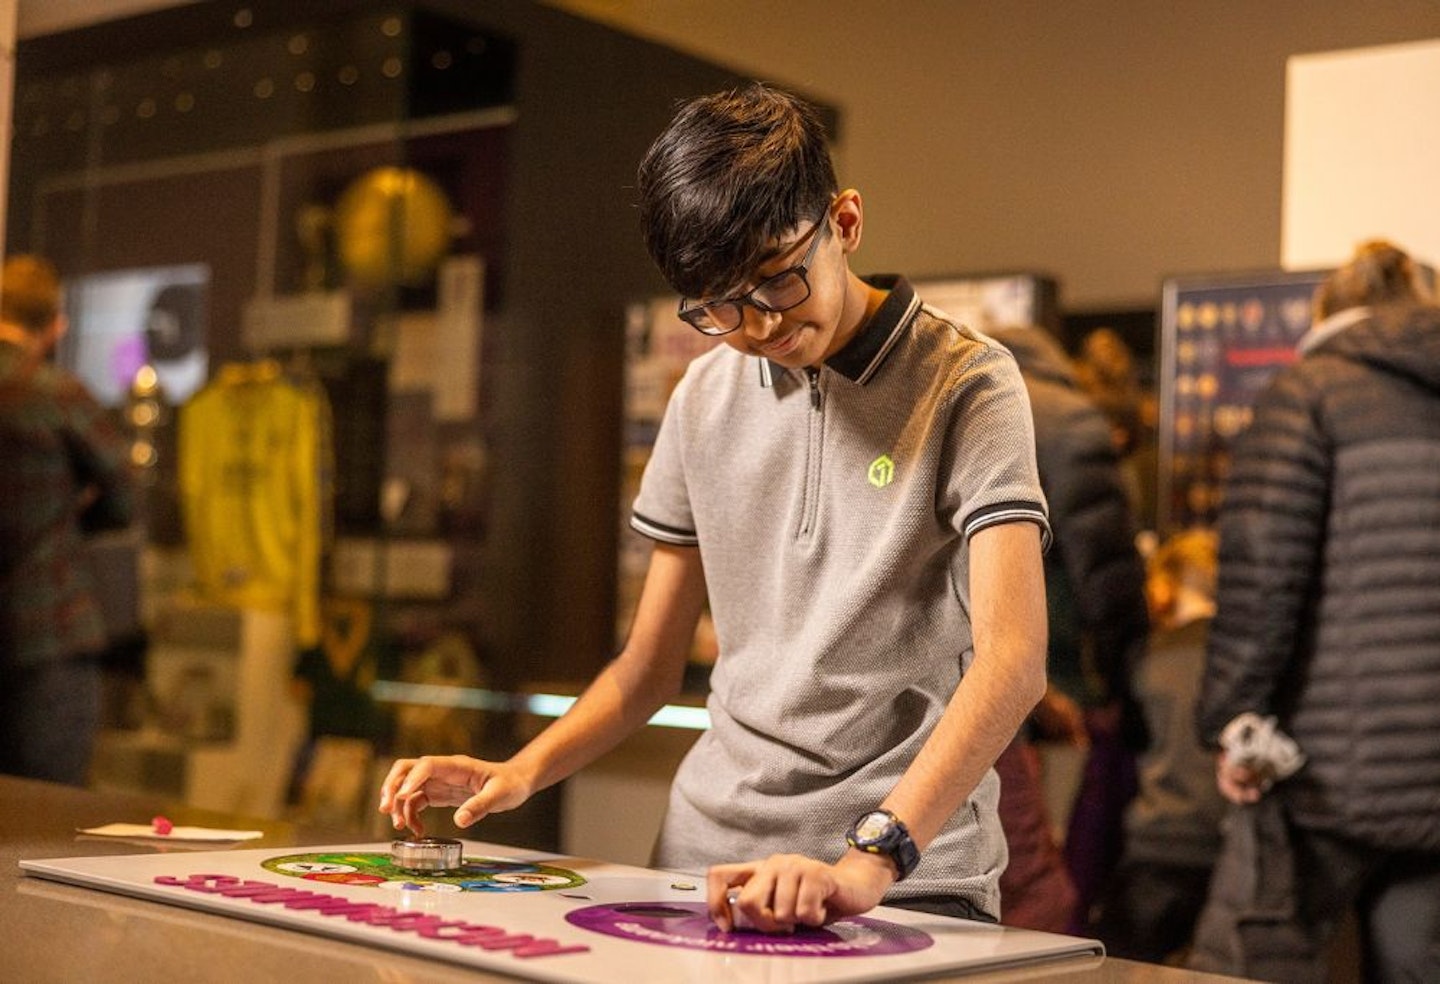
{"points": [[882, 471]]}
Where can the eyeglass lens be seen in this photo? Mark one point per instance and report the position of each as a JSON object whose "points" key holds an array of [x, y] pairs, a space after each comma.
{"points": [[781, 292]]}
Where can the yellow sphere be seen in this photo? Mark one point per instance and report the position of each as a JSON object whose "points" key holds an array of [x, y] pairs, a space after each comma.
{"points": [[392, 226]]}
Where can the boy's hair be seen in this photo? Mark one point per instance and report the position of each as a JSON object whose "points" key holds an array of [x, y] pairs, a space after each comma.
{"points": [[732, 173], [1379, 273], [29, 293]]}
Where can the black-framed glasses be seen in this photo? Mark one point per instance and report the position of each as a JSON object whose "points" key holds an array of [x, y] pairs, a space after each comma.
{"points": [[787, 289]]}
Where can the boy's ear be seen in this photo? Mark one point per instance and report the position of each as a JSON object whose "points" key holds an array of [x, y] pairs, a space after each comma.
{"points": [[849, 213]]}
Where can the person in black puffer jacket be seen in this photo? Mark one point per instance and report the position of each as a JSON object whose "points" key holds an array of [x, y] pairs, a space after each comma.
{"points": [[1329, 619]]}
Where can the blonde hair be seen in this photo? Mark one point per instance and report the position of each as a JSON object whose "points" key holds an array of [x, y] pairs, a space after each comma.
{"points": [[1378, 273]]}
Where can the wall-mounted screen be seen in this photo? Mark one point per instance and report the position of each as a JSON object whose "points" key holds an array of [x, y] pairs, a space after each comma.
{"points": [[121, 320]]}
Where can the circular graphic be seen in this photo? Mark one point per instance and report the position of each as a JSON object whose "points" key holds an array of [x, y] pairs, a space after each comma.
{"points": [[376, 870], [305, 868], [687, 925]]}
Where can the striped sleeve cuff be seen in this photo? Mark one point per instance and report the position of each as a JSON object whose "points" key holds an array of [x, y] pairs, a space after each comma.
{"points": [[665, 534], [1009, 512]]}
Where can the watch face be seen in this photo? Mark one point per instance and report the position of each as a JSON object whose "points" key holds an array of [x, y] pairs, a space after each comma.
{"points": [[871, 828]]}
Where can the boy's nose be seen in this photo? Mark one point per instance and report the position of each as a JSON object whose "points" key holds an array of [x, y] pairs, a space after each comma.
{"points": [[758, 324]]}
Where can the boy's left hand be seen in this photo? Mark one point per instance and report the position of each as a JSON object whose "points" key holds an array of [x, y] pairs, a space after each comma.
{"points": [[789, 890]]}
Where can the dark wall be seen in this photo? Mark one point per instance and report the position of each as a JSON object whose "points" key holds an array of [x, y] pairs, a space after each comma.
{"points": [[588, 102]]}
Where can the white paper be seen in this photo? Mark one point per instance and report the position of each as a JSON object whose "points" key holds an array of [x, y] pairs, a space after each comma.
{"points": [[148, 832]]}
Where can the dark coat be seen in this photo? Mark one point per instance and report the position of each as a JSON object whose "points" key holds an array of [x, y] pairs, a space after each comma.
{"points": [[1329, 594], [64, 472], [1093, 557]]}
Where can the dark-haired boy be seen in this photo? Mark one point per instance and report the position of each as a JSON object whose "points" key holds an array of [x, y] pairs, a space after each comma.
{"points": [[850, 481]]}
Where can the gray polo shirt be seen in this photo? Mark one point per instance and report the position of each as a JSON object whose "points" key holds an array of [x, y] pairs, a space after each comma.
{"points": [[832, 509]]}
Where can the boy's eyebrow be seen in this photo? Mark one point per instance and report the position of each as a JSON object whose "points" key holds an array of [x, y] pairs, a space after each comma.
{"points": [[780, 251], [768, 256], [748, 282]]}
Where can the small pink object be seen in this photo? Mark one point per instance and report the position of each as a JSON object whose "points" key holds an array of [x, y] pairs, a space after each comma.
{"points": [[162, 826]]}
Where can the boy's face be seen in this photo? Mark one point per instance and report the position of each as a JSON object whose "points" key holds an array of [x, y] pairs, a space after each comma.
{"points": [[815, 329]]}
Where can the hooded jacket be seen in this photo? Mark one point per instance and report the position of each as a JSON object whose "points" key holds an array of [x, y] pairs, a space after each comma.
{"points": [[1094, 578], [1329, 593]]}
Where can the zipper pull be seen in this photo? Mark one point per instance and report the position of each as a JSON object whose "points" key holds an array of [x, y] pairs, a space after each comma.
{"points": [[813, 375]]}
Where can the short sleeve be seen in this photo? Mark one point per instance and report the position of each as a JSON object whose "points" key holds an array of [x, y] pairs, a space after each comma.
{"points": [[993, 477], [662, 510]]}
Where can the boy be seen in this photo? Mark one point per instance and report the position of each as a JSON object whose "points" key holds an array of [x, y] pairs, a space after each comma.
{"points": [[850, 480]]}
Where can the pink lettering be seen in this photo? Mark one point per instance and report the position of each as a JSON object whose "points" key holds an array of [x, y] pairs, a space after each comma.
{"points": [[401, 922], [505, 942], [248, 889], [208, 884], [353, 911], [521, 944], [478, 933], [547, 948], [280, 895], [431, 927], [437, 931], [313, 901], [410, 922]]}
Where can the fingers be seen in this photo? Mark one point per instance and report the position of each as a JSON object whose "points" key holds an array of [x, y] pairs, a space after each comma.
{"points": [[773, 896], [719, 881], [392, 803], [393, 778], [410, 797], [810, 907], [411, 785], [475, 808]]}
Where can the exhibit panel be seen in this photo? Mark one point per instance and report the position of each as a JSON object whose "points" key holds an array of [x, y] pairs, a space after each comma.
{"points": [[1221, 339]]}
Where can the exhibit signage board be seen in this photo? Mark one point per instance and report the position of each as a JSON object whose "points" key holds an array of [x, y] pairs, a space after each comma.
{"points": [[1221, 339]]}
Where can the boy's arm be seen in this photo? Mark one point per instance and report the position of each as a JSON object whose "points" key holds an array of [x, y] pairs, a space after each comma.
{"points": [[1002, 685], [621, 699]]}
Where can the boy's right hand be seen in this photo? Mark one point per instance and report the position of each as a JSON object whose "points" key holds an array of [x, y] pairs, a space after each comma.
{"points": [[476, 786]]}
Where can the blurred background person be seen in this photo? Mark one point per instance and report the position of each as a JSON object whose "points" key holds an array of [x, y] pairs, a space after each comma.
{"points": [[65, 473], [1328, 621], [1106, 369], [1036, 890], [1172, 827], [1095, 597]]}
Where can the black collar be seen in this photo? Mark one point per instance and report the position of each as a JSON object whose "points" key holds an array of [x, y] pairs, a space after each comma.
{"points": [[863, 355]]}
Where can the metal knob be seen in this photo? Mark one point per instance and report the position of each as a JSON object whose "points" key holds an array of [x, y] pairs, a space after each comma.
{"points": [[426, 854]]}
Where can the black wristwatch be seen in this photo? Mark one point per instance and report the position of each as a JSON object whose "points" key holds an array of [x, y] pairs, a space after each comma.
{"points": [[881, 832]]}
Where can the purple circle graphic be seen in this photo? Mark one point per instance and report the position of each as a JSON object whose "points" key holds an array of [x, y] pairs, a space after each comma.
{"points": [[687, 925]]}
